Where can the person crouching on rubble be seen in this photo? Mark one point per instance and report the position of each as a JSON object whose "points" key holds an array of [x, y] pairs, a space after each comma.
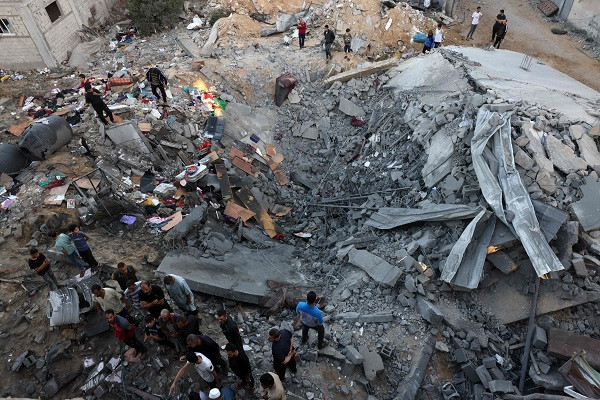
{"points": [[124, 331], [94, 97], [429, 42]]}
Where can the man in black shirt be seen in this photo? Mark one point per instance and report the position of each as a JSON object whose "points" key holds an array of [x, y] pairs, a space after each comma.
{"points": [[240, 365], [283, 351], [499, 24], [230, 329], [40, 264], [94, 97], [153, 331], [186, 325], [205, 345], [123, 274], [329, 37], [157, 81], [152, 299]]}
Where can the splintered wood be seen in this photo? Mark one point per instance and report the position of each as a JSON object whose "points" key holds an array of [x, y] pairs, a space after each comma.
{"points": [[274, 160], [223, 179], [239, 160], [262, 216]]}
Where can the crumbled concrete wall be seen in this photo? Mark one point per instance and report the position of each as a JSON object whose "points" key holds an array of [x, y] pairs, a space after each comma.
{"points": [[585, 14]]}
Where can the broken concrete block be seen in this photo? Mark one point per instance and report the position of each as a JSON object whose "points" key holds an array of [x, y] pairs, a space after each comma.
{"points": [[368, 69], [469, 371], [576, 131], [540, 339], [353, 355], [378, 317], [522, 159], [483, 375], [579, 266], [347, 368], [350, 316], [587, 209], [284, 22], [460, 355], [546, 181], [588, 150], [503, 262], [497, 386], [351, 109], [311, 355], [409, 284], [441, 346], [429, 312], [563, 157], [489, 362], [372, 363], [380, 270]]}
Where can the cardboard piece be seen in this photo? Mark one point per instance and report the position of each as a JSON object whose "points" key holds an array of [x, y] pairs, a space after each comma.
{"points": [[17, 129], [87, 184], [261, 216], [176, 218], [235, 211], [56, 195]]}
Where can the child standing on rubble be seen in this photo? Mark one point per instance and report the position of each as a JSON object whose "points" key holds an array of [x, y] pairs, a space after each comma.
{"points": [[429, 43], [347, 42]]}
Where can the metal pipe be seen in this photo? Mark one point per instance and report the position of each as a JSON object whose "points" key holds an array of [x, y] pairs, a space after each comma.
{"points": [[530, 331]]}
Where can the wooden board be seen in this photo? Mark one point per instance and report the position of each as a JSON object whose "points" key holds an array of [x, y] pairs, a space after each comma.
{"points": [[235, 211], [262, 216], [223, 179], [17, 129], [278, 172], [57, 192], [566, 344], [177, 218], [245, 166]]}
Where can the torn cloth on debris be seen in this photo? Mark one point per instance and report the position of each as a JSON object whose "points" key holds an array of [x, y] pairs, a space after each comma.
{"points": [[494, 122], [389, 218]]}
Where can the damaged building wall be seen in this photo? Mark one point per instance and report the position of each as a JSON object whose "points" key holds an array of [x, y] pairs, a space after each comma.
{"points": [[40, 33], [585, 14]]}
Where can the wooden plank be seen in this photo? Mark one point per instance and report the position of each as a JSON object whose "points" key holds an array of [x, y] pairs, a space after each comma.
{"points": [[223, 179], [235, 211], [278, 172], [261, 216], [369, 69], [270, 149], [566, 344], [177, 218], [245, 166]]}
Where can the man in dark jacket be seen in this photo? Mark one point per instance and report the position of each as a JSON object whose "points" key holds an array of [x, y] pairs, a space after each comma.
{"points": [[157, 81], [240, 365], [329, 37], [94, 98]]}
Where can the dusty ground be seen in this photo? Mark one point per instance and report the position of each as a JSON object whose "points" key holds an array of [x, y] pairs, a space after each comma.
{"points": [[529, 33]]}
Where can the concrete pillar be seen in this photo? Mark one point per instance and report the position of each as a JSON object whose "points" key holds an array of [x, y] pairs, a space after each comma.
{"points": [[38, 38], [76, 13], [565, 8]]}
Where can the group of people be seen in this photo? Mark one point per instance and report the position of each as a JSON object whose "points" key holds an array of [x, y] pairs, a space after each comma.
{"points": [[328, 39], [180, 332], [154, 76]]}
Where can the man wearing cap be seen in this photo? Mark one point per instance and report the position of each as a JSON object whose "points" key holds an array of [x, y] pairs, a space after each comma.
{"points": [[223, 394], [203, 366]]}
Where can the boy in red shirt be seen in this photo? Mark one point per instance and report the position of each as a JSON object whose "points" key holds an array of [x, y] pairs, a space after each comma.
{"points": [[301, 32]]}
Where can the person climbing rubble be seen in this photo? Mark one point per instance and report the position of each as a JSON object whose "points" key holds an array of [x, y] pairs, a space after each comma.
{"points": [[312, 318], [65, 244], [81, 243], [158, 81], [94, 98], [124, 331], [328, 38]]}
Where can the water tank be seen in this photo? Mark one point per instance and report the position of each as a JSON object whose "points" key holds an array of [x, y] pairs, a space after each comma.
{"points": [[45, 136], [12, 160]]}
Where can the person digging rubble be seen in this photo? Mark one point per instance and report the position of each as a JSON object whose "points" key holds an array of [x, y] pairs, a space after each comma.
{"points": [[203, 366], [110, 299], [240, 365], [230, 329], [301, 32], [40, 264], [312, 318], [157, 81], [123, 274], [94, 98], [180, 293], [81, 243], [152, 299], [205, 345], [124, 331], [328, 38], [271, 387], [282, 347], [65, 244]]}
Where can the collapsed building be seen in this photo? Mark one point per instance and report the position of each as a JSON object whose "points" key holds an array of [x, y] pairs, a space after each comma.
{"points": [[444, 205]]}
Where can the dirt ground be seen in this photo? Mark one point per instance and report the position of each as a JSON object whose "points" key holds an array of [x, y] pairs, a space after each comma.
{"points": [[529, 33]]}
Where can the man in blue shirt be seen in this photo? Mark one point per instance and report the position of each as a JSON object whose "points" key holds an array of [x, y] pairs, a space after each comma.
{"points": [[312, 318], [81, 243]]}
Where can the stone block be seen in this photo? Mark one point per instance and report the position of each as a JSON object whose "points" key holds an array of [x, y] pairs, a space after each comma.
{"points": [[469, 371], [429, 312], [311, 355], [489, 362], [497, 386], [351, 109], [580, 268], [347, 368], [353, 355], [483, 375], [540, 339], [372, 363], [460, 355], [385, 316]]}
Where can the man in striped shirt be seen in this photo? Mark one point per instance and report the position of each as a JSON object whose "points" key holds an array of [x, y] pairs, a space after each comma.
{"points": [[133, 294]]}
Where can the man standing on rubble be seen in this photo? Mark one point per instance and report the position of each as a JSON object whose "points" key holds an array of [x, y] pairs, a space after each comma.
{"points": [[328, 38], [81, 243], [301, 32], [230, 329], [203, 366], [240, 366], [205, 345], [152, 299], [67, 247], [312, 318], [123, 274], [181, 294], [124, 331], [94, 97], [40, 264], [157, 81], [498, 24], [283, 351], [110, 299]]}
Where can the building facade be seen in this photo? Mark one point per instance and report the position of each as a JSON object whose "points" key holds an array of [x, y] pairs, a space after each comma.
{"points": [[583, 14], [40, 33]]}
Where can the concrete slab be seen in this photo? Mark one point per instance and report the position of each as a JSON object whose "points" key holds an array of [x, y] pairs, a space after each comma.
{"points": [[587, 209], [241, 274], [439, 158], [372, 363], [380, 270], [362, 70], [563, 157], [128, 135], [543, 84]]}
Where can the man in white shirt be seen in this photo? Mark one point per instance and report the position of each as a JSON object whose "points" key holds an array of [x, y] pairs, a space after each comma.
{"points": [[476, 16], [439, 36], [203, 366]]}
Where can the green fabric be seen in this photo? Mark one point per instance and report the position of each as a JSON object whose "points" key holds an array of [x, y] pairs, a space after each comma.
{"points": [[64, 242]]}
